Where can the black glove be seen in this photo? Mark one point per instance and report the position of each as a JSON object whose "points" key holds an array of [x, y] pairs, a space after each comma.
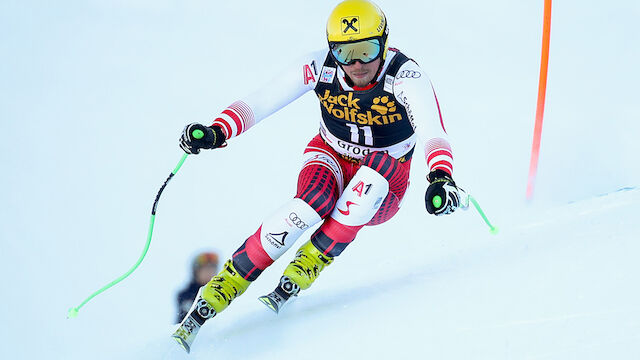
{"points": [[442, 194], [197, 136]]}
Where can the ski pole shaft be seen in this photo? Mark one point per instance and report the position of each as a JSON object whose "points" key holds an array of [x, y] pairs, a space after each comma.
{"points": [[492, 229], [465, 198], [73, 312]]}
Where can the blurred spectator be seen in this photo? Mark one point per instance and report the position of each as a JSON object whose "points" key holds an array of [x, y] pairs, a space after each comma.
{"points": [[203, 268]]}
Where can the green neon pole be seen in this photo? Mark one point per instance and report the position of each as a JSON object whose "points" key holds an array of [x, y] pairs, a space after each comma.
{"points": [[492, 229], [73, 312], [437, 203]]}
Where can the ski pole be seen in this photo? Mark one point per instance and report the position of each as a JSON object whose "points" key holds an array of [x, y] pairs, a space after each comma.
{"points": [[73, 312], [464, 205]]}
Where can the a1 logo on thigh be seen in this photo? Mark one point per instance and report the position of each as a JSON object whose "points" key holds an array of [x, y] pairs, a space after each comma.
{"points": [[361, 187], [364, 195]]}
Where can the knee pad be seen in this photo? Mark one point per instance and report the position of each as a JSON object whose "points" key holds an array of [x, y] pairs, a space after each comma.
{"points": [[284, 227], [361, 198]]}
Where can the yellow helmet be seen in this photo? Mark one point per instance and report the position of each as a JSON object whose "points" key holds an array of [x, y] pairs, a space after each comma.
{"points": [[352, 21]]}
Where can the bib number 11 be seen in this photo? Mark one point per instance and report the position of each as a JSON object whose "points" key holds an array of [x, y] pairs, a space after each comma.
{"points": [[366, 132]]}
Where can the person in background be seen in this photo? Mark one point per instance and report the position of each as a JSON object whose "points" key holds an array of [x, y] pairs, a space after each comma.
{"points": [[203, 267]]}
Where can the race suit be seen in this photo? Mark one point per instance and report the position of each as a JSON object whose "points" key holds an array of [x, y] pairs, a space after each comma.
{"points": [[356, 170]]}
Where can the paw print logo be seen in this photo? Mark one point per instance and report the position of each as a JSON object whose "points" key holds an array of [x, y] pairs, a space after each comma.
{"points": [[382, 105]]}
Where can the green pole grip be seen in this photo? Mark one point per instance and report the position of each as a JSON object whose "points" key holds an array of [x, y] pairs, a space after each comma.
{"points": [[436, 201], [198, 134]]}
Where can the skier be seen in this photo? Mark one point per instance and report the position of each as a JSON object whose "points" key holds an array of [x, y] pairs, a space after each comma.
{"points": [[375, 102], [203, 267]]}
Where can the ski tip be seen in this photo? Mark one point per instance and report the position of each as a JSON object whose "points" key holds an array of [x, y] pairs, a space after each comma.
{"points": [[182, 343], [269, 303]]}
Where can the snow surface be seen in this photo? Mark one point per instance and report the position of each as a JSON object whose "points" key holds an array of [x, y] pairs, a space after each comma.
{"points": [[94, 95]]}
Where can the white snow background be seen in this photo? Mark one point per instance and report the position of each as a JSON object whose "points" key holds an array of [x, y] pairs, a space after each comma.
{"points": [[93, 97]]}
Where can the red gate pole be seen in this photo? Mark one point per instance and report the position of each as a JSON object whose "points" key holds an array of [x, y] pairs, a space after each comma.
{"points": [[542, 90]]}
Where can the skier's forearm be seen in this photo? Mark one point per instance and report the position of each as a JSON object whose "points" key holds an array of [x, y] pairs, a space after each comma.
{"points": [[280, 91]]}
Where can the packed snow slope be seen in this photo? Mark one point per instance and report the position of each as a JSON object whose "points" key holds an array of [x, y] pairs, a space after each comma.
{"points": [[556, 284], [94, 94]]}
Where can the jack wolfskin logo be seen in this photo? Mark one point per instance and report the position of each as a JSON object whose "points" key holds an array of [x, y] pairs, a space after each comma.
{"points": [[382, 105], [349, 108], [351, 25]]}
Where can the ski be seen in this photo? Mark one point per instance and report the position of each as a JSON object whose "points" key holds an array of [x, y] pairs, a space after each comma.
{"points": [[281, 295], [186, 332]]}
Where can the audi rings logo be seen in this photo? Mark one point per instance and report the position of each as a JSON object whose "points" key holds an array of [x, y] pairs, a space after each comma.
{"points": [[409, 74], [297, 221]]}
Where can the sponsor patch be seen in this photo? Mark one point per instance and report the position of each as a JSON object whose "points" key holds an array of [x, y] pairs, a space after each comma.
{"points": [[294, 219], [328, 74], [277, 240], [351, 25], [388, 83], [409, 74], [383, 111]]}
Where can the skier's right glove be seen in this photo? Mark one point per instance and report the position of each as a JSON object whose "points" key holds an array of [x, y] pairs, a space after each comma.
{"points": [[197, 136], [441, 197]]}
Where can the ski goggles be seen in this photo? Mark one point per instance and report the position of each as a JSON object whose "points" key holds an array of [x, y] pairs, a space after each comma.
{"points": [[364, 51]]}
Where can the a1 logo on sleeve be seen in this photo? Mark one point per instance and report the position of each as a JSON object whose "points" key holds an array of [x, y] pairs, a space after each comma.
{"points": [[309, 72]]}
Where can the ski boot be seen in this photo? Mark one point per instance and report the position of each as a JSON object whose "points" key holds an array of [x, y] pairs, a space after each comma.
{"points": [[299, 275], [212, 298]]}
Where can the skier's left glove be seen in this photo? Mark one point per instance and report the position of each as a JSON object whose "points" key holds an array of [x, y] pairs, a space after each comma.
{"points": [[197, 136], [442, 194]]}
